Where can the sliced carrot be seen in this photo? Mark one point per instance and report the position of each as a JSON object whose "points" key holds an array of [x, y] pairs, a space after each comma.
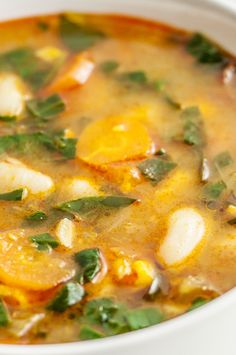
{"points": [[22, 265], [75, 73], [114, 139]]}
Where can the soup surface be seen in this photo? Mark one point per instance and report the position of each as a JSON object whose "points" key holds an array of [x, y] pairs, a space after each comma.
{"points": [[117, 176]]}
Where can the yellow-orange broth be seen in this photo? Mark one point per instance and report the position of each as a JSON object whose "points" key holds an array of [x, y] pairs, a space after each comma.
{"points": [[134, 122]]}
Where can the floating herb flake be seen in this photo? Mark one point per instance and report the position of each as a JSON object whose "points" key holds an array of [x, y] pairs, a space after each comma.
{"points": [[89, 261], [156, 169], [70, 294], [76, 37], [205, 51], [46, 108], [89, 204]]}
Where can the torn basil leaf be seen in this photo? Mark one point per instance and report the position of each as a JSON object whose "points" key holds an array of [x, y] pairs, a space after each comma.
{"points": [[4, 315], [232, 221], [46, 108], [76, 37], [136, 77], [193, 126], [156, 169], [44, 241], [198, 302], [28, 66], [106, 313], [172, 102], [89, 261], [142, 318], [205, 51], [38, 216], [70, 294], [223, 159], [109, 66], [16, 195], [54, 141], [89, 333], [89, 204], [213, 190]]}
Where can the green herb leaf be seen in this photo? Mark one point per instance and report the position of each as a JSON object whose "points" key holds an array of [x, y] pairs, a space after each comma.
{"points": [[44, 26], [198, 302], [16, 195], [38, 216], [88, 204], [100, 310], [71, 294], [172, 102], [54, 141], [136, 77], [76, 37], [212, 191], [4, 315], [223, 159], [232, 221], [142, 318], [46, 108], [156, 169], [44, 241], [88, 333], [204, 50], [193, 126], [109, 66], [159, 85], [7, 118], [25, 63], [89, 261]]}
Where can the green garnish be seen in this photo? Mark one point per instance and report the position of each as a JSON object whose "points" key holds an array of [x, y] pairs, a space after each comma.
{"points": [[7, 118], [136, 77], [38, 216], [232, 221], [44, 241], [28, 66], [172, 102], [54, 141], [156, 169], [89, 204], [46, 108], [213, 190], [198, 302], [114, 318], [192, 126], [4, 315], [159, 85], [16, 195], [70, 294], [88, 333], [89, 261], [109, 66], [104, 312], [76, 37], [142, 318], [44, 26], [223, 159], [204, 50]]}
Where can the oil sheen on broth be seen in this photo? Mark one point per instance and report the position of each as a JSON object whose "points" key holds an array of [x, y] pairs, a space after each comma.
{"points": [[117, 176]]}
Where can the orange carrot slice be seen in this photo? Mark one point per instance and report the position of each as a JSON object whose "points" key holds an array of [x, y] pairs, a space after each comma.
{"points": [[114, 139], [22, 265]]}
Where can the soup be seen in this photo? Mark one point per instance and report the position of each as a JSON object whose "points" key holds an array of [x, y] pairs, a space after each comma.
{"points": [[117, 176]]}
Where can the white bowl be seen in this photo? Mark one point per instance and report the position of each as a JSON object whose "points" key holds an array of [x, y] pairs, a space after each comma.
{"points": [[209, 330]]}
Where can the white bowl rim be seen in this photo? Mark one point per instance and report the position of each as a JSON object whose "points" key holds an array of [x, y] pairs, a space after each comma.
{"points": [[157, 331]]}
